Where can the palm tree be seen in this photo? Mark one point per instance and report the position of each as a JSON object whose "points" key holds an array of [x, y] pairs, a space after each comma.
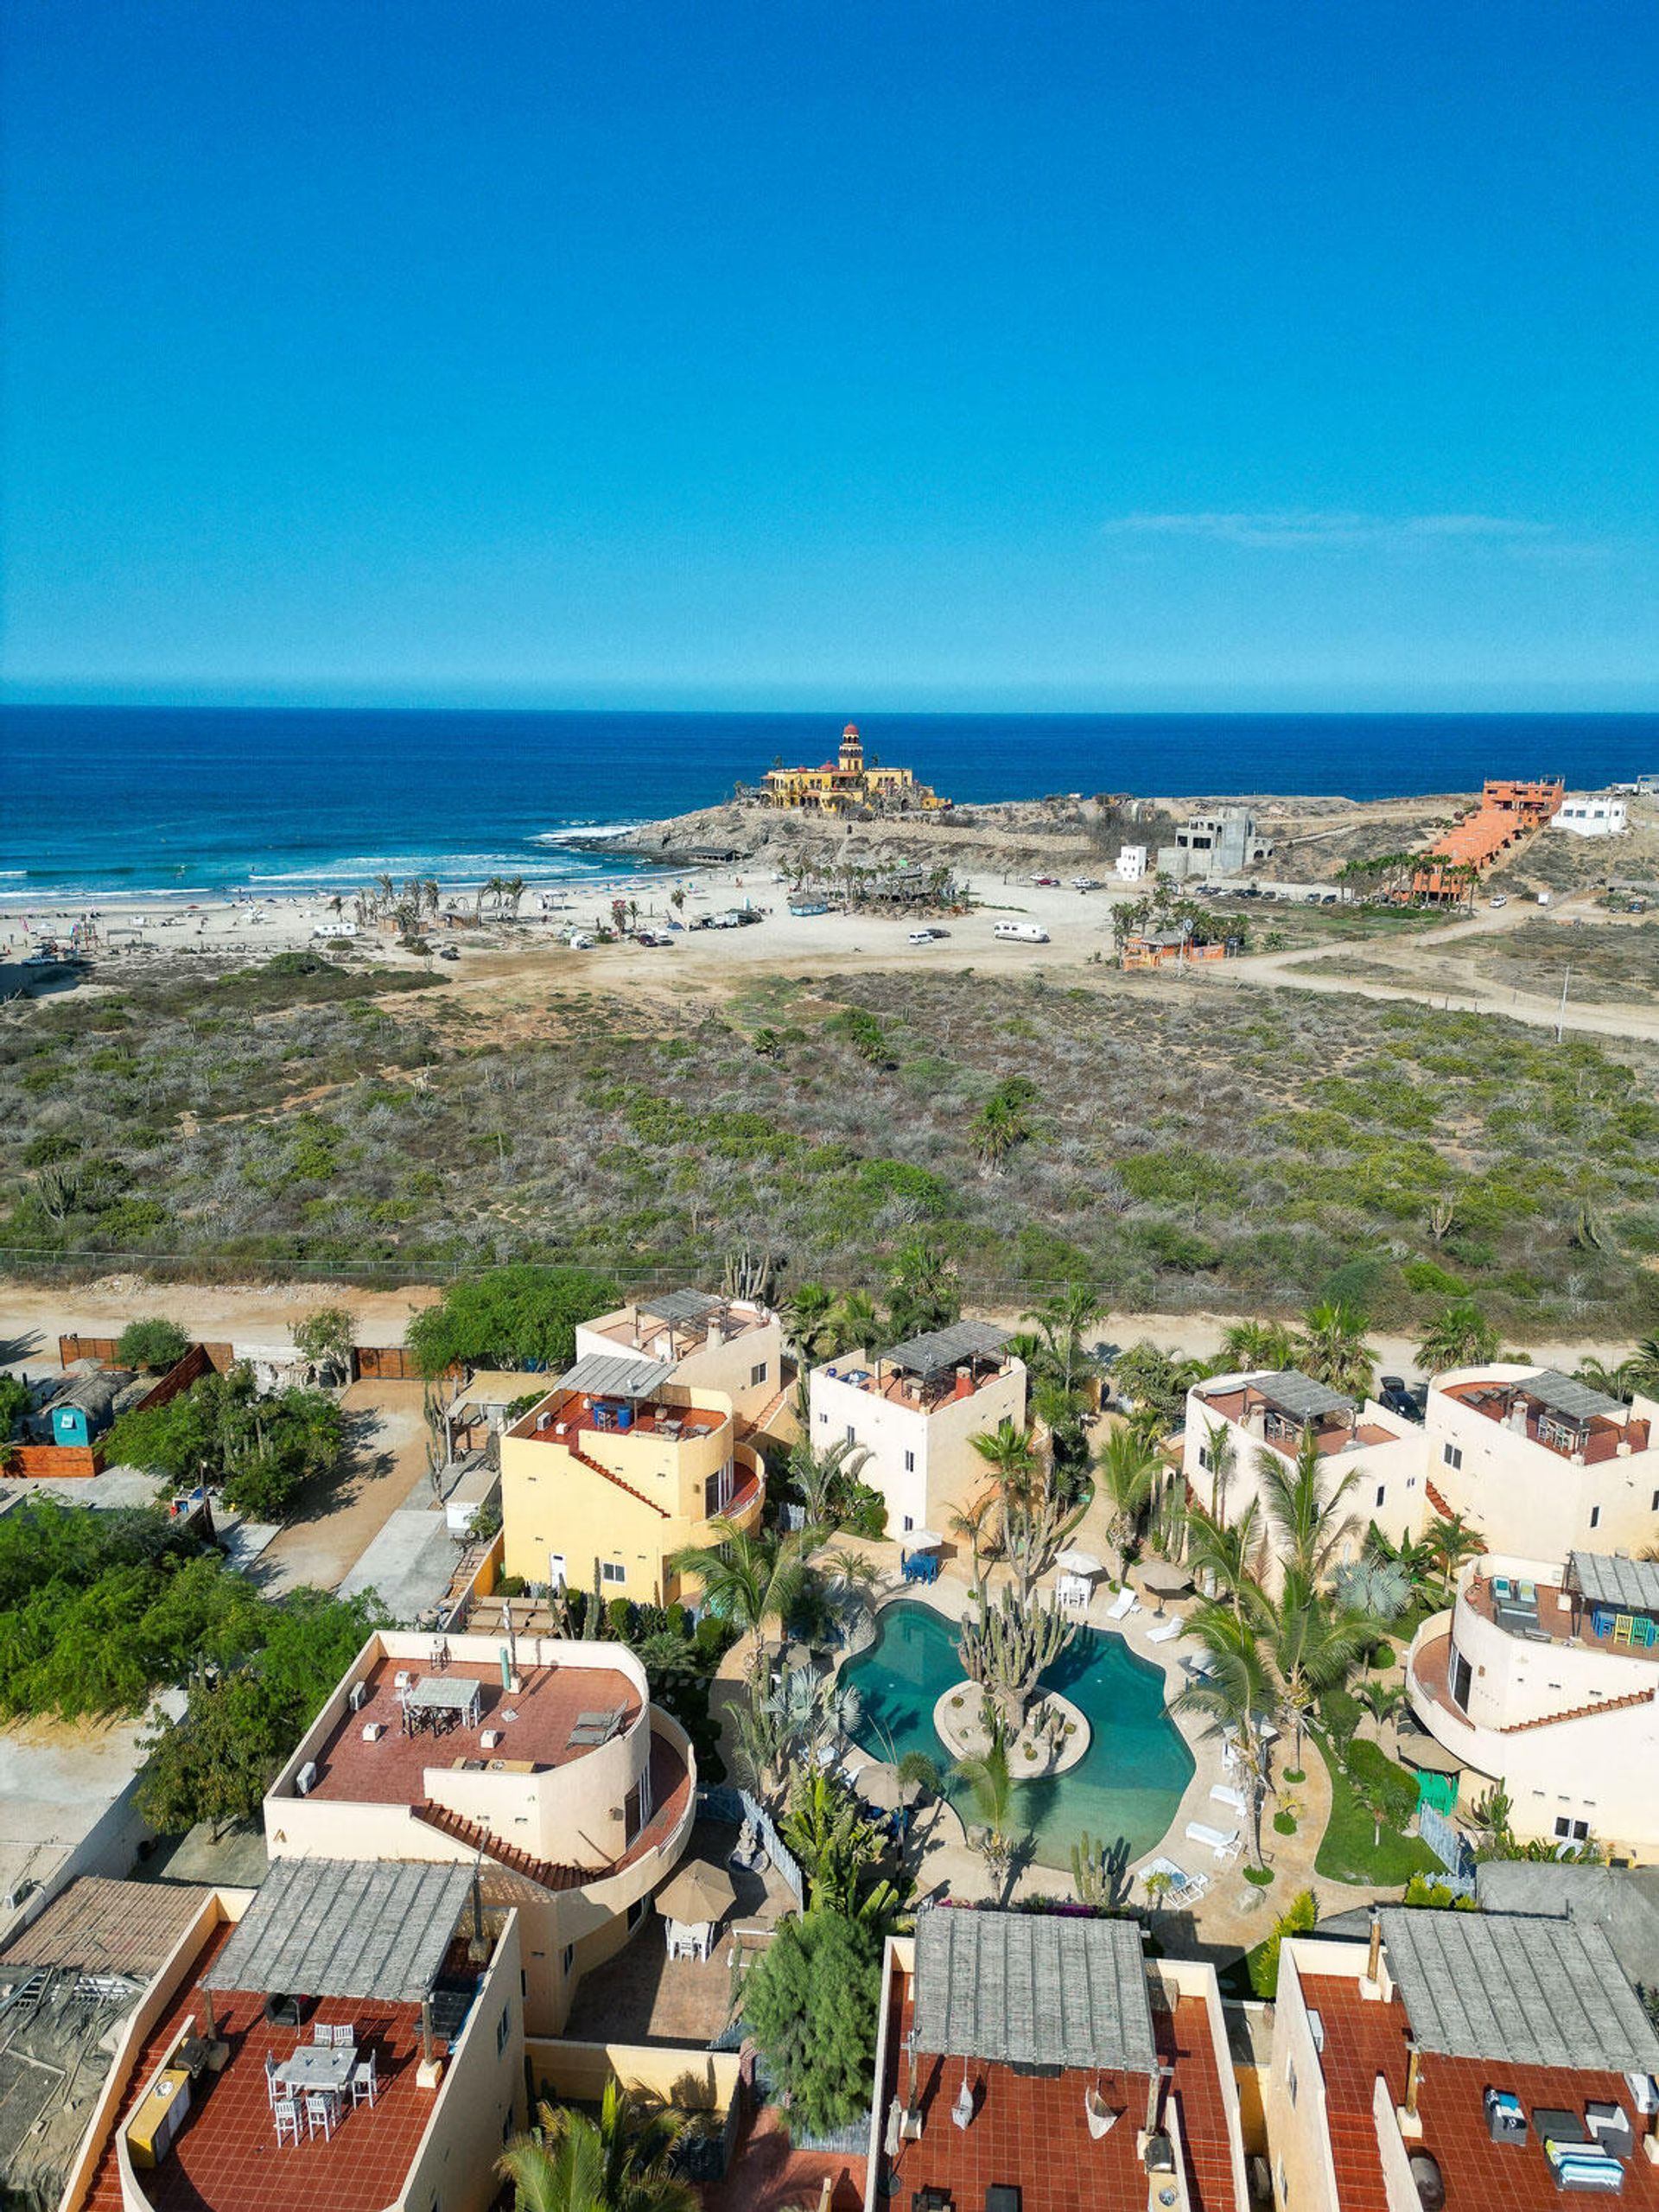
{"points": [[990, 1783], [1010, 1452], [995, 1132], [1332, 1349], [823, 1477], [750, 1581], [805, 1315], [1312, 1646], [1220, 1457], [1063, 1321], [1451, 1541], [1126, 1468], [1229, 1556], [1261, 1347], [1458, 1336], [1303, 1509], [1381, 1700], [922, 1289], [1616, 1382], [1644, 1367], [1230, 1696], [853, 1323], [619, 2163], [973, 1524]]}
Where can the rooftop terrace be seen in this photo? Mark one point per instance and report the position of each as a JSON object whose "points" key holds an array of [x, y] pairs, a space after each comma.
{"points": [[1290, 1406], [1563, 1415], [1550, 1613], [544, 1712], [568, 1416]]}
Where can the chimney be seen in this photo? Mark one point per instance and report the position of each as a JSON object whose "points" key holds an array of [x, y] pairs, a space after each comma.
{"points": [[1374, 1957], [1409, 2123]]}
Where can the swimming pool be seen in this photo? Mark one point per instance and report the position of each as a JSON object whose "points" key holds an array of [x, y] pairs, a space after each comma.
{"points": [[1128, 1784]]}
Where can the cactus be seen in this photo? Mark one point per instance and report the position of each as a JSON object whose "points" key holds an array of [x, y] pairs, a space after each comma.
{"points": [[1090, 1877], [1007, 1648]]}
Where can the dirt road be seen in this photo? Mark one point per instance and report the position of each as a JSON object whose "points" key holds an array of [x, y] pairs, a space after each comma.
{"points": [[334, 1521]]}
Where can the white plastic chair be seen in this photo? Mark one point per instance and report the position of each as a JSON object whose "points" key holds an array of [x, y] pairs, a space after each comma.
{"points": [[286, 2114], [319, 2114], [363, 2082], [345, 2037], [322, 2037], [274, 2089]]}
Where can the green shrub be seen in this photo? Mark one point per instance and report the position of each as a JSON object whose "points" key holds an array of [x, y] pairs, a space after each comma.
{"points": [[1372, 1284], [155, 1344], [1299, 1918], [1369, 1763], [1426, 1278], [619, 1613]]}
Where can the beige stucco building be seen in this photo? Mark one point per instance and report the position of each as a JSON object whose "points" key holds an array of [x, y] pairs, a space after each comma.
{"points": [[617, 1469], [1546, 1678], [1236, 1422], [734, 1345], [542, 1760], [915, 1410], [1540, 1463]]}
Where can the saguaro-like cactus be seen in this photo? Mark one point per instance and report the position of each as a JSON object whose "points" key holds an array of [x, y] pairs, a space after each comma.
{"points": [[1007, 1648]]}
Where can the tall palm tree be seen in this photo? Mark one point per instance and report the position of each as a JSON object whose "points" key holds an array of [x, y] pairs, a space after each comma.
{"points": [[1011, 1452], [1458, 1336], [1333, 1351], [974, 1524], [1451, 1542], [1126, 1468], [1229, 1556], [1619, 1381], [1221, 1459], [852, 1322], [822, 1478], [1311, 1646], [1230, 1697], [1304, 1508], [989, 1782], [1644, 1367], [754, 1581], [1263, 1346], [804, 1316], [1063, 1321], [619, 2163]]}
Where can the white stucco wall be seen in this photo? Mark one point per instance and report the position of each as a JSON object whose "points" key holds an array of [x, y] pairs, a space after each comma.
{"points": [[1527, 1497], [944, 1472]]}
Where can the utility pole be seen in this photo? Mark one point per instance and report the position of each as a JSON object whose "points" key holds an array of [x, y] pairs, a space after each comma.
{"points": [[1560, 1015]]}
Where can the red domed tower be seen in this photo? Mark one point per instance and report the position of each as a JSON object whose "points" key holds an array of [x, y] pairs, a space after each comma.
{"points": [[852, 751]]}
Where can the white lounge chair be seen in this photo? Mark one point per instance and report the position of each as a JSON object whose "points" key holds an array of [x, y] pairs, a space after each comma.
{"points": [[1225, 1843], [1123, 1605], [1165, 1629], [1225, 1793]]}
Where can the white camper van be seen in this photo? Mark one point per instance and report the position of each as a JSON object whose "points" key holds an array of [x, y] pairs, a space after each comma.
{"points": [[1022, 932]]}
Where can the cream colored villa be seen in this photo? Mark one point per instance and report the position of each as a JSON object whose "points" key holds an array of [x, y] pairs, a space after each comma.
{"points": [[1234, 1421], [734, 1345], [542, 1762], [619, 1466], [1546, 1678], [1541, 1463], [916, 1410]]}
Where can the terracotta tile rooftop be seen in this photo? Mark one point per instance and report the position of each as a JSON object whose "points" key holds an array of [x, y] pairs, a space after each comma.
{"points": [[1031, 2129], [224, 2157], [1363, 2040], [576, 1415], [1554, 1610], [391, 1772]]}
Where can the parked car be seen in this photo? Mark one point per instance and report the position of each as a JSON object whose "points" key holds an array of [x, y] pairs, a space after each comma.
{"points": [[1046, 883], [1394, 1396], [447, 952], [1499, 899]]}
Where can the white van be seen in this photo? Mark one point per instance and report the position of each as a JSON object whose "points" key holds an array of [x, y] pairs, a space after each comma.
{"points": [[1022, 932], [335, 929]]}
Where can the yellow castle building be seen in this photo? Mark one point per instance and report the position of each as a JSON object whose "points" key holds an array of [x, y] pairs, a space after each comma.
{"points": [[846, 784]]}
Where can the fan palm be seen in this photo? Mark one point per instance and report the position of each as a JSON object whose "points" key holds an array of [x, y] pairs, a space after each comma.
{"points": [[1333, 1349], [1262, 1346], [854, 1322], [1458, 1336], [805, 1313], [619, 2163], [1010, 1452]]}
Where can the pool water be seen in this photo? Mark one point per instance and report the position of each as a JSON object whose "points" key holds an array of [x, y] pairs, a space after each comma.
{"points": [[1126, 1786]]}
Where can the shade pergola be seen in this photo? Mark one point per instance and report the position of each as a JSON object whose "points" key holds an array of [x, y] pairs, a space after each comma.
{"points": [[617, 1375], [344, 1928]]}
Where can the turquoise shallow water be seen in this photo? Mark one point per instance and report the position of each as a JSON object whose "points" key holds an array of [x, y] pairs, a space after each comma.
{"points": [[1127, 1785]]}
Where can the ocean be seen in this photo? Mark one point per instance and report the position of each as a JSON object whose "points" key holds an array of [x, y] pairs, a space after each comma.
{"points": [[131, 802]]}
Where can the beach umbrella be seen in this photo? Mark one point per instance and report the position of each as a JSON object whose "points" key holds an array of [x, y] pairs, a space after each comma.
{"points": [[1165, 1579], [698, 1895], [882, 1786], [1077, 1562], [922, 1540], [1428, 1757]]}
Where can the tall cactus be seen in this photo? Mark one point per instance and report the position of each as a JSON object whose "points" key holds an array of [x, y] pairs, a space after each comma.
{"points": [[1007, 1648]]}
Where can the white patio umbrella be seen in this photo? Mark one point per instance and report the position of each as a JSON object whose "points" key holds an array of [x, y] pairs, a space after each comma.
{"points": [[921, 1540], [1077, 1562]]}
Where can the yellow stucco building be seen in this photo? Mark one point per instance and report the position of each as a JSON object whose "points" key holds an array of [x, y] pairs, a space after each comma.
{"points": [[846, 784], [617, 1469]]}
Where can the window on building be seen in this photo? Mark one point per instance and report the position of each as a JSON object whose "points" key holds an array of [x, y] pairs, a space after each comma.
{"points": [[1461, 1678], [910, 1463], [1452, 1454], [1654, 1507], [611, 1570], [758, 1374], [637, 1911], [1382, 1492], [503, 2030], [909, 1524], [852, 1433], [1204, 1456], [1595, 1517], [568, 1958], [1290, 2082], [1284, 2185], [1570, 1831]]}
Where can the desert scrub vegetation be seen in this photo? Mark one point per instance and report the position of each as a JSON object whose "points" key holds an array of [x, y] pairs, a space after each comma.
{"points": [[1217, 1148]]}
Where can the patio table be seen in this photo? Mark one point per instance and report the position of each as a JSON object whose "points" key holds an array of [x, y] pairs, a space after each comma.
{"points": [[325, 2070]]}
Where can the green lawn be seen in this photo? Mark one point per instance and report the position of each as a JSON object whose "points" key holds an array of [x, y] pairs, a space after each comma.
{"points": [[1347, 1852]]}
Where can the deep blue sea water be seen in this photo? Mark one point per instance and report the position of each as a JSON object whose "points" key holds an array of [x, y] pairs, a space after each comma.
{"points": [[170, 800]]}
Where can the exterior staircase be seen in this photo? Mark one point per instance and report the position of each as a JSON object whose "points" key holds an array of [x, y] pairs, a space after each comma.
{"points": [[1582, 1711], [593, 1465], [477, 1837]]}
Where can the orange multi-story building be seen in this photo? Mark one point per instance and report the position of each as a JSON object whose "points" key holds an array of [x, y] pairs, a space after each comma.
{"points": [[1508, 810], [846, 784]]}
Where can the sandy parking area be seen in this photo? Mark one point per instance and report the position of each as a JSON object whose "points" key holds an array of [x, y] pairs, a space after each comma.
{"points": [[333, 1522]]}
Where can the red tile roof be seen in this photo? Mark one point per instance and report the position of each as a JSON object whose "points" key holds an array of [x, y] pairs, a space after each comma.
{"points": [[1031, 2130], [1364, 2039], [391, 1772]]}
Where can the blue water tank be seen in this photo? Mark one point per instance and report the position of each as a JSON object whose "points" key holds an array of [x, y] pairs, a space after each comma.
{"points": [[624, 1416]]}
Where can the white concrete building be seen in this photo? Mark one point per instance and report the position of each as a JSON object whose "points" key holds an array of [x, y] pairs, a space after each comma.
{"points": [[1592, 814], [1131, 863], [734, 1345], [916, 1409], [1546, 1678], [1541, 1463], [1236, 1423]]}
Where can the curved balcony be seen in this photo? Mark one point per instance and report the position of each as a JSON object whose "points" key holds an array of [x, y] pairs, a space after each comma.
{"points": [[1428, 1691]]}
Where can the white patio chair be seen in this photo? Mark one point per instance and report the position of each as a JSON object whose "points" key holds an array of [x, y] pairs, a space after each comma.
{"points": [[319, 2114], [345, 2037], [1222, 1841], [322, 2037], [286, 2114], [1225, 1793], [1165, 1631], [274, 2089], [1123, 1605], [363, 2083]]}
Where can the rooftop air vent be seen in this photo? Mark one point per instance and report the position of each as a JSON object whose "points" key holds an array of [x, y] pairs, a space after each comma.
{"points": [[306, 1780]]}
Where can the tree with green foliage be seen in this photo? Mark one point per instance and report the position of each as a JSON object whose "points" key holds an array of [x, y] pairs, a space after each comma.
{"points": [[153, 1345], [811, 2001], [1333, 1349], [834, 1845], [326, 1338], [827, 1480], [620, 2162], [256, 1450], [217, 1761], [1259, 1347], [752, 1579], [16, 1401], [1230, 1698], [1126, 1468], [1304, 1507], [507, 1317], [1151, 1380], [1459, 1335], [923, 1293], [1310, 1646], [1228, 1556], [1010, 1452], [989, 1780], [1299, 1918]]}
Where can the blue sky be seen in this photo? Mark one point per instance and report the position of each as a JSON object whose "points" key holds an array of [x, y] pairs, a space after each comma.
{"points": [[803, 354]]}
